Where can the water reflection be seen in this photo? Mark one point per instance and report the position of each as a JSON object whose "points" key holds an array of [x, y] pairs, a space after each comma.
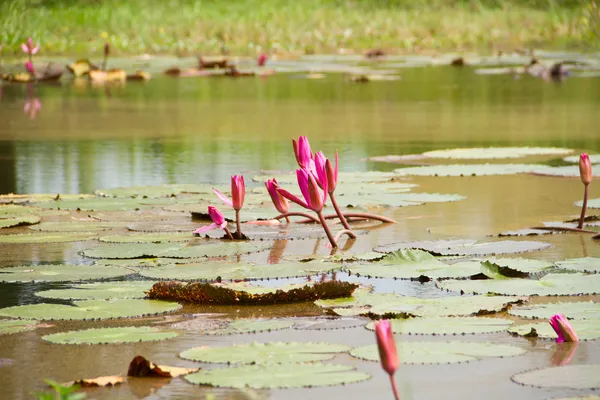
{"points": [[32, 104]]}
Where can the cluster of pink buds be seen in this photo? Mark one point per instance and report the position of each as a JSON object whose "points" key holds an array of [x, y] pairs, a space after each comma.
{"points": [[30, 49]]}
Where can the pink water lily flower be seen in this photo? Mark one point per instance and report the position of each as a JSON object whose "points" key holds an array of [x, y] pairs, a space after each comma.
{"points": [[29, 47], [563, 329], [217, 218], [304, 155], [585, 169], [262, 60], [313, 199], [387, 351], [326, 171], [279, 201], [238, 193]]}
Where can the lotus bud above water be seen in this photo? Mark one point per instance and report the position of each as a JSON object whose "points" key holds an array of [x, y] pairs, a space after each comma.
{"points": [[279, 201], [218, 222], [262, 59], [238, 194], [585, 173], [303, 153], [387, 351], [29, 47], [563, 329], [332, 174]]}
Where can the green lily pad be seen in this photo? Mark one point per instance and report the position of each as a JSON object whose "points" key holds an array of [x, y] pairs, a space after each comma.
{"points": [[250, 326], [549, 285], [414, 264], [246, 214], [526, 232], [134, 216], [586, 264], [104, 204], [447, 326], [110, 335], [265, 353], [329, 323], [61, 273], [594, 159], [76, 226], [351, 257], [137, 262], [575, 310], [91, 309], [19, 221], [234, 271], [587, 329], [592, 203], [584, 376], [483, 153], [383, 199], [171, 226], [503, 268], [154, 191], [278, 376], [173, 250], [147, 238], [14, 211], [47, 237], [467, 170], [100, 290], [440, 352], [465, 247], [15, 326]]}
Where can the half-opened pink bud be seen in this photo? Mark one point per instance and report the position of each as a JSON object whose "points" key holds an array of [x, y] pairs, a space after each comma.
{"points": [[387, 346], [585, 169], [238, 191], [332, 174], [563, 329], [279, 201]]}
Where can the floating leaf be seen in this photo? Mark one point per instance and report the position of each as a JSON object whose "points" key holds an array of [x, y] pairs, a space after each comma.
{"points": [[594, 159], [278, 376], [76, 226], [467, 169], [586, 264], [587, 329], [173, 250], [19, 221], [154, 191], [141, 367], [592, 203], [90, 309], [103, 204], [100, 290], [110, 335], [35, 197], [147, 238], [15, 211], [465, 247], [265, 353], [329, 323], [15, 326], [502, 268], [526, 232], [575, 310], [98, 382], [60, 273], [447, 326], [205, 293], [234, 271], [349, 257], [137, 262], [251, 326], [440, 352], [549, 285], [47, 237], [482, 153], [584, 376]]}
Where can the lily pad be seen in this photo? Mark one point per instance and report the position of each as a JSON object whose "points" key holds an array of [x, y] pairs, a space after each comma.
{"points": [[47, 237], [233, 271], [76, 226], [19, 221], [251, 326], [503, 268], [584, 376], [147, 238], [575, 310], [586, 264], [15, 326], [384, 199], [278, 376], [465, 247], [483, 153], [61, 273], [173, 250], [592, 203], [447, 326], [587, 329], [90, 309], [14, 211], [100, 290], [594, 159], [548, 285], [103, 204], [137, 262], [154, 191], [441, 352], [110, 335], [467, 170], [265, 353], [322, 324], [526, 232]]}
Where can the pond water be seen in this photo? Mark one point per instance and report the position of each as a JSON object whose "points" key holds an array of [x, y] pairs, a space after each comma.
{"points": [[203, 130]]}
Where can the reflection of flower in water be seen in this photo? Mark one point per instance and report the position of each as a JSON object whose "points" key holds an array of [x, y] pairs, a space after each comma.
{"points": [[564, 353], [32, 106]]}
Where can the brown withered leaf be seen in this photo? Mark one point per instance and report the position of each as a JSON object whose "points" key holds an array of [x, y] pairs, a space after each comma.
{"points": [[141, 367], [205, 293], [98, 382]]}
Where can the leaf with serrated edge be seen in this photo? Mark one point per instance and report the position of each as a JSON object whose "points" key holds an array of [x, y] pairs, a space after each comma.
{"points": [[61, 273], [447, 326], [574, 310], [587, 329], [584, 376], [100, 291], [110, 336]]}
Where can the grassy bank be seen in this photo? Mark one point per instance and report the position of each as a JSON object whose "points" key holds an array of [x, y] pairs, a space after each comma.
{"points": [[79, 27]]}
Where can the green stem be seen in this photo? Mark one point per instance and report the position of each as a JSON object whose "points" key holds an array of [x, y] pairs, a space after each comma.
{"points": [[327, 231], [583, 207], [339, 212]]}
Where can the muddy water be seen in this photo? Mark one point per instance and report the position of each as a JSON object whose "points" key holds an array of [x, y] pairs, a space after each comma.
{"points": [[201, 130]]}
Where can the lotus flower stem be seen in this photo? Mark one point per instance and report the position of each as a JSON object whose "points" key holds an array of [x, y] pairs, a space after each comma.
{"points": [[394, 388], [583, 207], [338, 211], [327, 230], [287, 219], [238, 225], [228, 232], [287, 216], [348, 232], [358, 215]]}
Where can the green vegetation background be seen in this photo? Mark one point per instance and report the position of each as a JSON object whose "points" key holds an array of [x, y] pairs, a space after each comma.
{"points": [[80, 27]]}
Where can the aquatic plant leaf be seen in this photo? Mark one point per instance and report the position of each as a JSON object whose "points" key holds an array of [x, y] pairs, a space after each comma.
{"points": [[52, 226], [246, 214], [154, 191], [103, 204], [503, 268], [141, 367], [594, 159], [276, 376], [447, 326], [137, 262], [440, 352], [61, 273], [206, 293], [351, 257], [233, 271], [329, 323], [15, 326], [19, 221], [526, 232], [90, 309], [465, 247], [467, 169], [586, 264], [574, 310], [148, 238], [128, 334], [251, 326], [482, 153], [47, 237], [151, 215], [100, 290], [173, 250], [171, 226], [584, 376], [587, 329], [548, 285], [37, 197], [101, 381], [265, 353], [15, 211]]}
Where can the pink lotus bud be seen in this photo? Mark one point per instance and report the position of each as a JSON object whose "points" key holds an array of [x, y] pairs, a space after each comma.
{"points": [[320, 161], [216, 215], [238, 191], [29, 47], [302, 151], [29, 67], [332, 174], [262, 59], [585, 169], [315, 200], [310, 191], [563, 329], [279, 201], [387, 346]]}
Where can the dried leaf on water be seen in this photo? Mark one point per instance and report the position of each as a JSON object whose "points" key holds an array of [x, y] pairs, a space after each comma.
{"points": [[141, 367]]}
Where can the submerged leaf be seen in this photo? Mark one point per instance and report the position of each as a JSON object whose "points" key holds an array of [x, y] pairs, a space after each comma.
{"points": [[110, 335], [584, 376]]}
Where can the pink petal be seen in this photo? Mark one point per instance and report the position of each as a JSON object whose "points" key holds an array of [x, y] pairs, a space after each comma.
{"points": [[223, 225], [25, 48], [35, 49], [206, 228], [223, 198], [302, 176], [291, 197]]}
